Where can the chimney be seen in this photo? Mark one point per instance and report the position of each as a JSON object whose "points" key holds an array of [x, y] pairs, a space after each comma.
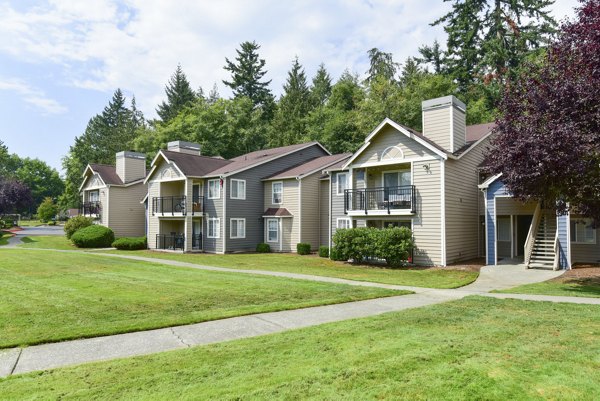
{"points": [[131, 166], [444, 122], [184, 147]]}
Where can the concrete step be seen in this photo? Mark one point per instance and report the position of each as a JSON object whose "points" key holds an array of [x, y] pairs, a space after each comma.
{"points": [[541, 266]]}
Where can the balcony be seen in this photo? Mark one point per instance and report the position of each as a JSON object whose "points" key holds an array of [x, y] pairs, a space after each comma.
{"points": [[380, 201], [171, 241], [90, 209], [177, 206]]}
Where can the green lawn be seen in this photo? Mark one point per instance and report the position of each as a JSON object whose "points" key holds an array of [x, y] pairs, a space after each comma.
{"points": [[53, 296], [432, 278], [473, 349], [4, 236], [568, 287], [30, 223], [47, 242]]}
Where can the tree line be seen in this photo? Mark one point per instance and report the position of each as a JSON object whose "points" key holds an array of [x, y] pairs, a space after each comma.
{"points": [[488, 44]]}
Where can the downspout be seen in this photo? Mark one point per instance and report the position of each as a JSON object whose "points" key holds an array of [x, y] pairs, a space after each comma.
{"points": [[443, 211], [224, 180]]}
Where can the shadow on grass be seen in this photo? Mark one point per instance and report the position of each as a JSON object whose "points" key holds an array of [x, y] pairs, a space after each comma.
{"points": [[28, 240], [587, 286]]}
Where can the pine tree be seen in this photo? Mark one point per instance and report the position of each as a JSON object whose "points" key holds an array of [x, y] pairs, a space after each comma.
{"points": [[381, 65], [321, 87], [433, 55], [179, 95], [247, 73]]}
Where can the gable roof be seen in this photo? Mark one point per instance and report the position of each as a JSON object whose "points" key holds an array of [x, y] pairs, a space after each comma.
{"points": [[107, 173], [309, 167], [253, 159], [478, 131], [489, 181], [277, 212], [194, 165]]}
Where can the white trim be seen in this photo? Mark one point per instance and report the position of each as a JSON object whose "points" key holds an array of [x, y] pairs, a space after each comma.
{"points": [[337, 183], [301, 176], [329, 222], [495, 232], [451, 147], [392, 162], [337, 222], [483, 138], [224, 214], [489, 181], [280, 235], [237, 180], [276, 240], [273, 193], [375, 212], [160, 153], [236, 220], [569, 239], [386, 150], [405, 170], [218, 180], [404, 131], [217, 228], [443, 210], [485, 220], [299, 211]]}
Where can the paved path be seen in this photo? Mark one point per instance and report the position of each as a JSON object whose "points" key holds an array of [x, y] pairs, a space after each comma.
{"points": [[33, 231], [48, 356]]}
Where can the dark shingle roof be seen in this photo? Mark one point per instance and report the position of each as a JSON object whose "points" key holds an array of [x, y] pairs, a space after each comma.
{"points": [[107, 173], [310, 166], [277, 212], [195, 165], [478, 131], [257, 157]]}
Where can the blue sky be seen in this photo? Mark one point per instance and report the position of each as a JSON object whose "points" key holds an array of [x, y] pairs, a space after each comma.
{"points": [[61, 61]]}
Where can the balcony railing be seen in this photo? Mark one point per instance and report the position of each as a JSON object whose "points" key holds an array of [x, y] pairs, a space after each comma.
{"points": [[171, 241], [177, 205], [90, 208], [380, 199]]}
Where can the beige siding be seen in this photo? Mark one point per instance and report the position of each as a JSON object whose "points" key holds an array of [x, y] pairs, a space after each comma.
{"points": [[459, 126], [324, 212], [105, 202], [130, 169], [310, 210], [127, 215], [512, 206], [427, 220], [287, 232], [291, 201], [436, 126], [463, 200], [391, 137], [153, 221]]}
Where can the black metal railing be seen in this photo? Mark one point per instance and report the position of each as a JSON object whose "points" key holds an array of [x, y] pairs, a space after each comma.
{"points": [[169, 204], [170, 241], [90, 208], [197, 205], [382, 198], [197, 242]]}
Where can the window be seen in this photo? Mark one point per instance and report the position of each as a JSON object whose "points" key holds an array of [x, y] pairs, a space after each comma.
{"points": [[272, 230], [277, 197], [503, 228], [344, 223], [214, 228], [214, 189], [582, 231], [391, 153], [238, 189], [396, 178], [342, 183], [93, 196], [237, 228]]}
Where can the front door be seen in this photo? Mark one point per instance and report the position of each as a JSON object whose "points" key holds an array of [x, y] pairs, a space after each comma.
{"points": [[197, 234]]}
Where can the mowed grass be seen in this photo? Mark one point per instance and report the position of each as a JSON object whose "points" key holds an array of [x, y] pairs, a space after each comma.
{"points": [[30, 223], [53, 296], [567, 287], [293, 263], [475, 348], [47, 242], [4, 236]]}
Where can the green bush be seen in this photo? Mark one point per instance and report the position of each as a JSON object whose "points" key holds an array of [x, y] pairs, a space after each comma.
{"points": [[263, 248], [335, 255], [324, 251], [77, 223], [130, 243], [303, 248], [392, 244], [94, 236]]}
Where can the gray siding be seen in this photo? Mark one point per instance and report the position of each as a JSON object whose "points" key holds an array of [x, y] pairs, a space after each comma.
{"points": [[337, 204], [252, 207], [291, 202], [214, 208], [585, 253], [324, 212]]}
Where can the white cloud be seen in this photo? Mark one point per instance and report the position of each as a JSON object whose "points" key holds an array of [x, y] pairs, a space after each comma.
{"points": [[33, 96]]}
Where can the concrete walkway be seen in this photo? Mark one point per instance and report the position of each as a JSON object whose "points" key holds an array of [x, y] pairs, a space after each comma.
{"points": [[54, 355]]}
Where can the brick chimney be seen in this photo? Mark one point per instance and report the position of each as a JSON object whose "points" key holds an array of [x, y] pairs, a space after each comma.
{"points": [[444, 122], [184, 147], [131, 166]]}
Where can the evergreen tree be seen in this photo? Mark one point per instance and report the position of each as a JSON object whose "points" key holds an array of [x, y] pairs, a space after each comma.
{"points": [[179, 94], [433, 55], [381, 65], [321, 87], [247, 73]]}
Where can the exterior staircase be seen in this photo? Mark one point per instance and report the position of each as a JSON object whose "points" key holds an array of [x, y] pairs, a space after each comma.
{"points": [[542, 255]]}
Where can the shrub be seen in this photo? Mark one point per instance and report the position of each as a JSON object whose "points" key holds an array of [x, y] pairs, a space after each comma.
{"points": [[354, 243], [324, 251], [77, 223], [303, 248], [130, 243], [335, 255], [47, 210], [394, 245], [94, 236], [263, 248]]}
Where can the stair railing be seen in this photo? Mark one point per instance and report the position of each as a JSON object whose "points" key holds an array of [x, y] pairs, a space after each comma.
{"points": [[529, 242], [556, 264]]}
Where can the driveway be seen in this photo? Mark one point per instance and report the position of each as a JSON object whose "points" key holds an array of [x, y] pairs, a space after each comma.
{"points": [[33, 231]]}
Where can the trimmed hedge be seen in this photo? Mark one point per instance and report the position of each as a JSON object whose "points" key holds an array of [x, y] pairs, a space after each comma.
{"points": [[334, 254], [130, 243], [77, 223], [324, 251], [392, 244], [94, 236], [303, 248], [263, 248]]}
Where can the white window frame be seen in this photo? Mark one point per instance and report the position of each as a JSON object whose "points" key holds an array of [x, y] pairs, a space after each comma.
{"points": [[237, 220], [343, 219], [273, 193], [217, 233], [575, 239], [276, 240], [237, 182], [337, 183], [218, 186]]}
